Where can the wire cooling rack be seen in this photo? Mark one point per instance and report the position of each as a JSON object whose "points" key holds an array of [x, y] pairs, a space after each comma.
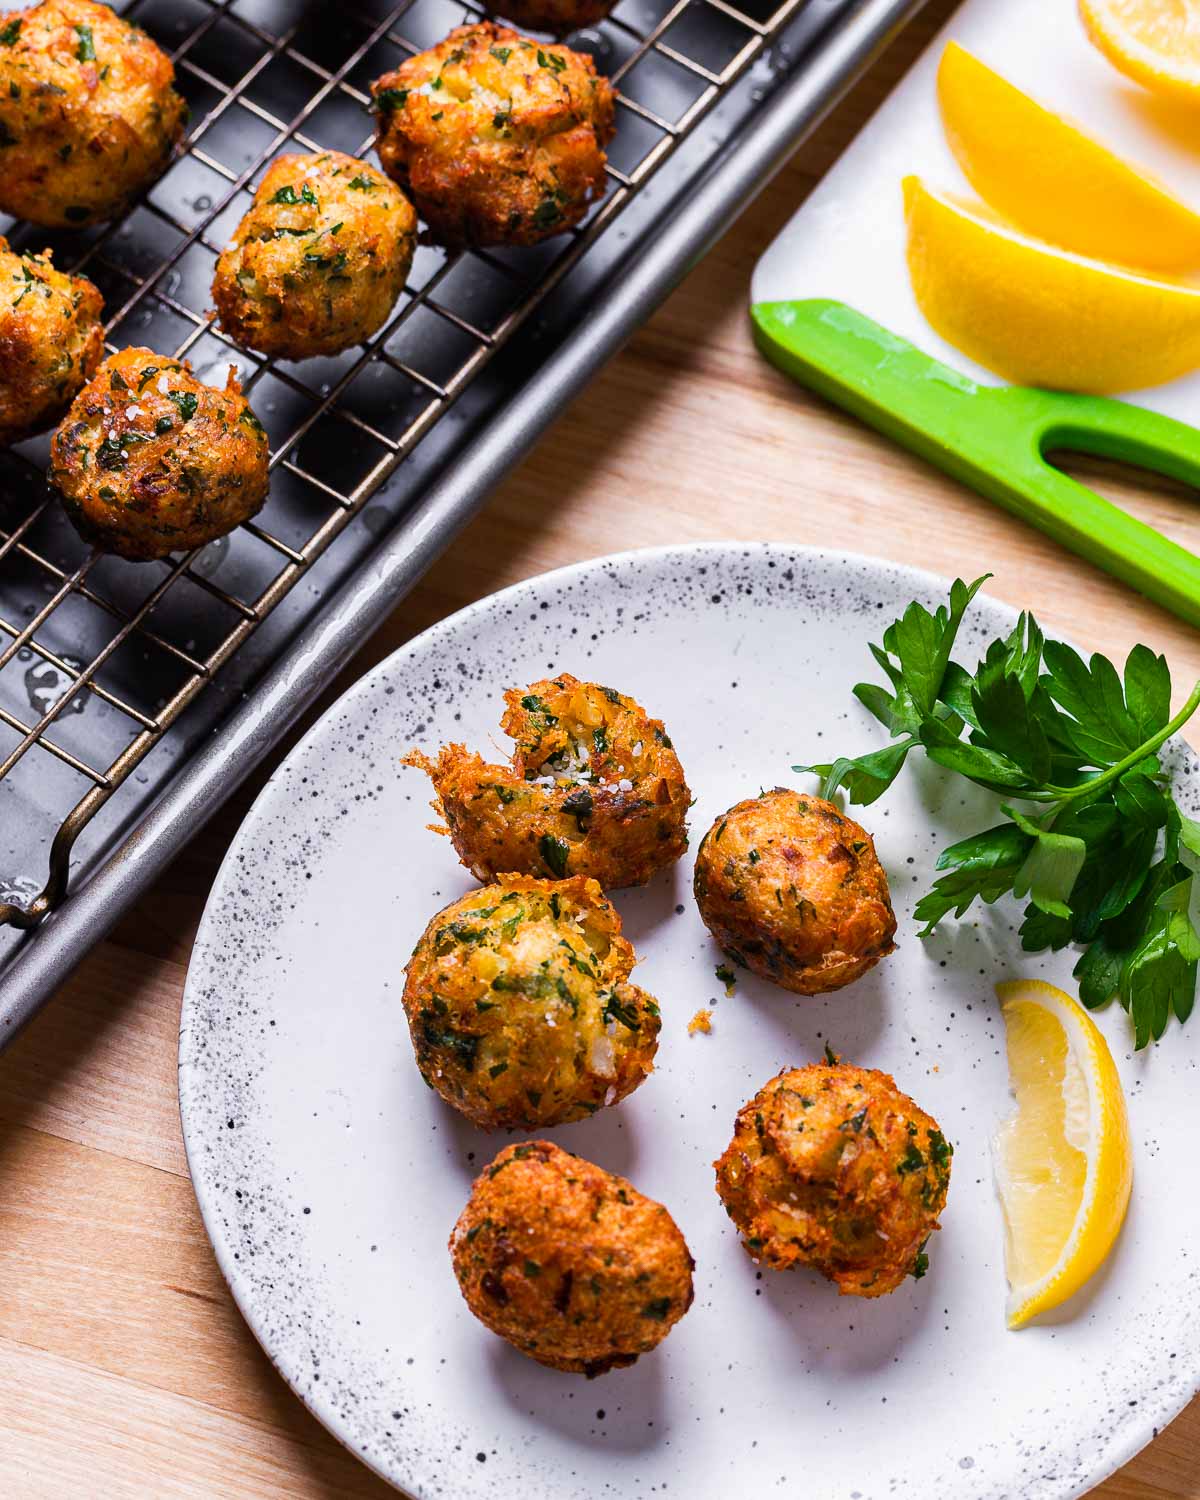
{"points": [[113, 675]]}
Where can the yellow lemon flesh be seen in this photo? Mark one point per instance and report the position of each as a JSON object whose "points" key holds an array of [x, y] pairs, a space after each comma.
{"points": [[1154, 42], [1064, 1165], [1039, 315], [1054, 182]]}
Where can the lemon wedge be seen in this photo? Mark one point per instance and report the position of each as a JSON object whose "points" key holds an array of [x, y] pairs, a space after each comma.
{"points": [[1064, 1166], [1039, 315], [1154, 42], [1054, 182]]}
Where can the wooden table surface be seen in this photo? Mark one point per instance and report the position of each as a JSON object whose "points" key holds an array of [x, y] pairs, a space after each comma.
{"points": [[125, 1370]]}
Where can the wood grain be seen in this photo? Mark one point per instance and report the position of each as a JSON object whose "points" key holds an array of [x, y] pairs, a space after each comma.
{"points": [[125, 1369]]}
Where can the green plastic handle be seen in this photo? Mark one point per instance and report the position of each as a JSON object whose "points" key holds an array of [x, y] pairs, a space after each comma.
{"points": [[995, 438]]}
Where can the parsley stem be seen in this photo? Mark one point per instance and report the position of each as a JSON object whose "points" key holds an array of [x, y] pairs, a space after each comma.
{"points": [[1114, 773]]}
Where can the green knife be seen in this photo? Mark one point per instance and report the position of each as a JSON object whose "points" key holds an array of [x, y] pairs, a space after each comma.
{"points": [[995, 438]]}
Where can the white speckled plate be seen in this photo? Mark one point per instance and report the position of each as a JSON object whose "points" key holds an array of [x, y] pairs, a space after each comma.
{"points": [[329, 1175]]}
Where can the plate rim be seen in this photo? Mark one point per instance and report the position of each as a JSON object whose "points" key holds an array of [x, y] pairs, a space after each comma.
{"points": [[1155, 1412]]}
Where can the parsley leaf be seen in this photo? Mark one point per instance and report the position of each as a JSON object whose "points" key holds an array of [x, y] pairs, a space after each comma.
{"points": [[922, 642], [1049, 870], [615, 1010], [555, 853], [1157, 978], [915, 655], [865, 778], [1103, 729], [546, 213], [1107, 860], [984, 867], [387, 100], [287, 194], [186, 402]]}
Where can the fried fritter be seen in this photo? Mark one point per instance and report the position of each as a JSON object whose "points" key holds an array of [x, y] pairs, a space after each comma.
{"points": [[317, 263], [88, 114], [793, 889], [520, 1007], [149, 460], [498, 140], [569, 1263], [832, 1167], [51, 341], [558, 17], [595, 788]]}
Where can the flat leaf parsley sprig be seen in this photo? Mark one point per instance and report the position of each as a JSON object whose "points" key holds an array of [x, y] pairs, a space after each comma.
{"points": [[1104, 856]]}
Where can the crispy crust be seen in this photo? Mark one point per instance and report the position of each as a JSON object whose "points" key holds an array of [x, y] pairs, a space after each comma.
{"points": [[793, 889], [317, 263], [51, 341], [498, 140], [143, 472], [88, 114], [569, 1263], [831, 1166], [595, 788], [520, 1006]]}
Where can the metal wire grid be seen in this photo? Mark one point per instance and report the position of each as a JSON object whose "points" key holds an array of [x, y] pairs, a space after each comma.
{"points": [[479, 346]]}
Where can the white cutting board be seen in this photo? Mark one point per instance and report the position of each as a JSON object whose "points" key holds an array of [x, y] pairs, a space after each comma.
{"points": [[847, 241]]}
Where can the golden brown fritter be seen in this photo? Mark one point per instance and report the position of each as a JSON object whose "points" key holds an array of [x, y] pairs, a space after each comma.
{"points": [[792, 888], [832, 1167], [317, 263], [149, 460], [520, 1007], [88, 116], [51, 341], [595, 788], [569, 1263], [498, 140], [558, 17]]}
